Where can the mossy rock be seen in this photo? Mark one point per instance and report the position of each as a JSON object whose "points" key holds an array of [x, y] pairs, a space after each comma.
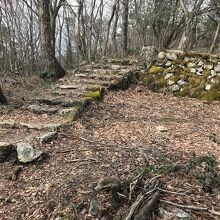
{"points": [[155, 70], [94, 95]]}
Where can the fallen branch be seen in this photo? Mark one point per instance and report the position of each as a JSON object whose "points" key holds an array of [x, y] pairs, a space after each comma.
{"points": [[185, 206], [148, 208], [142, 197], [81, 160]]}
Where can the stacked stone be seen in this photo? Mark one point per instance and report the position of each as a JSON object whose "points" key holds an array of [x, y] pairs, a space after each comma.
{"points": [[178, 65]]}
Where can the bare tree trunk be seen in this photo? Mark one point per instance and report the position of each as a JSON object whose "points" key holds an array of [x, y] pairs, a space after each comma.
{"points": [[108, 28], [215, 38], [115, 27], [3, 100], [125, 26], [52, 69]]}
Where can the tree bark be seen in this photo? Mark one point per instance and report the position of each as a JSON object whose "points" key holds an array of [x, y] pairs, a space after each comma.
{"points": [[215, 38], [3, 99], [108, 28], [52, 68], [125, 26]]}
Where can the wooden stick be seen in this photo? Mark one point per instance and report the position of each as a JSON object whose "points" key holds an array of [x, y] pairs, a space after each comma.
{"points": [[81, 160], [185, 206]]}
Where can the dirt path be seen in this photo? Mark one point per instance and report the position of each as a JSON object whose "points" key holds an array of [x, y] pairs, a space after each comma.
{"points": [[115, 138]]}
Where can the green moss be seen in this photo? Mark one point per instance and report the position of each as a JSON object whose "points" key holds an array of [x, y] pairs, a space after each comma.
{"points": [[175, 78], [94, 95], [213, 94], [155, 70]]}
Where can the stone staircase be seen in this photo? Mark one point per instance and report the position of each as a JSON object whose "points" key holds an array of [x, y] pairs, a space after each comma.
{"points": [[40, 119]]}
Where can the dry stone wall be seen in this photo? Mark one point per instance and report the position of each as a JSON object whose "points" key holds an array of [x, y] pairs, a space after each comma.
{"points": [[190, 74]]}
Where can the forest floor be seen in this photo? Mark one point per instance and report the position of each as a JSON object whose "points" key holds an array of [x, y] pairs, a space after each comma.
{"points": [[114, 140]]}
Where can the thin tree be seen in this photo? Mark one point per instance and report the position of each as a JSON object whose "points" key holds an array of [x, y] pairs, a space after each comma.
{"points": [[125, 26], [3, 99]]}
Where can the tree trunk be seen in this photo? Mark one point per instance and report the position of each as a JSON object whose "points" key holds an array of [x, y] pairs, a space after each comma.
{"points": [[108, 28], [52, 69], [215, 38], [3, 100], [125, 26]]}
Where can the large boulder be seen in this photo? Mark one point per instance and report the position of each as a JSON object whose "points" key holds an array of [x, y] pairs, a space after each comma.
{"points": [[26, 153], [148, 54]]}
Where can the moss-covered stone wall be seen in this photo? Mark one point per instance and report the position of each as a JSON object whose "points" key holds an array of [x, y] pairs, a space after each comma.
{"points": [[190, 74]]}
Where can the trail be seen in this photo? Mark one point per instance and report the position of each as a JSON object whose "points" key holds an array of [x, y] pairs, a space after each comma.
{"points": [[115, 137]]}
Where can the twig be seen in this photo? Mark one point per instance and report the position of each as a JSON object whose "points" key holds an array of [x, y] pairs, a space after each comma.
{"points": [[81, 160], [185, 206]]}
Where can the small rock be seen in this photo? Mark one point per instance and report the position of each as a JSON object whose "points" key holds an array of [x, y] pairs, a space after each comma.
{"points": [[47, 137], [193, 70], [168, 64], [200, 69], [93, 207], [198, 73], [191, 65], [168, 75], [200, 64], [208, 66], [161, 55], [214, 81], [170, 82], [217, 68], [162, 128], [68, 111], [174, 88], [208, 87], [171, 56], [180, 214], [186, 59], [181, 82], [6, 149], [26, 153]]}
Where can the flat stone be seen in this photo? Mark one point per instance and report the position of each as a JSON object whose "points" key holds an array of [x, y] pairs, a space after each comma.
{"points": [[68, 87], [170, 82], [31, 126], [168, 64], [8, 123], [68, 111], [181, 82], [191, 65], [174, 88], [26, 153], [193, 70], [198, 73], [168, 75], [162, 128], [42, 109], [6, 149], [47, 137]]}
